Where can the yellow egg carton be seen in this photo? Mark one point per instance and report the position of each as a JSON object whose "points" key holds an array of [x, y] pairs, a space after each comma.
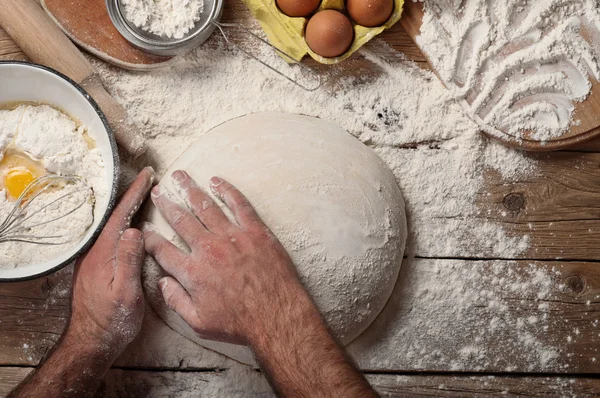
{"points": [[287, 33]]}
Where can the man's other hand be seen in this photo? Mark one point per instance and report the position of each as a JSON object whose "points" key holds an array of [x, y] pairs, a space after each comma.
{"points": [[108, 302]]}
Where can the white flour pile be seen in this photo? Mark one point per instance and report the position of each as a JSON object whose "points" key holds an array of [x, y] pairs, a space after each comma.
{"points": [[64, 151], [169, 18], [520, 65]]}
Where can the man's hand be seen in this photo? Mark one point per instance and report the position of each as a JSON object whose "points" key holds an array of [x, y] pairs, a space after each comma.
{"points": [[237, 284], [107, 306], [235, 273], [108, 302]]}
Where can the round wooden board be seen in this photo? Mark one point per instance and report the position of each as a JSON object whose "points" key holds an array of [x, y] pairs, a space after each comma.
{"points": [[87, 23], [587, 112]]}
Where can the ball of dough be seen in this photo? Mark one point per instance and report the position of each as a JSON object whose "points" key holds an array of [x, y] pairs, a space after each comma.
{"points": [[332, 202]]}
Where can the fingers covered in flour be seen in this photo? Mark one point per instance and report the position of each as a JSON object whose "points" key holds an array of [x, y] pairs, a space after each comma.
{"points": [[179, 218], [201, 204], [223, 284], [129, 204], [107, 304], [169, 256], [129, 258], [244, 213], [177, 298]]}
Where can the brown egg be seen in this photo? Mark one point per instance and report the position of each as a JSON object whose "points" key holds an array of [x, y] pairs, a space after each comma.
{"points": [[298, 8], [370, 12], [329, 33]]}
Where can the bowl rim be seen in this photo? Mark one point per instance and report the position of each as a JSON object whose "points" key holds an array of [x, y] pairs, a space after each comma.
{"points": [[116, 172], [154, 44]]}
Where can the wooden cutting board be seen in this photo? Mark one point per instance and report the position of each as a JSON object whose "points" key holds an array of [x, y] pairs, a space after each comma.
{"points": [[588, 111], [87, 23]]}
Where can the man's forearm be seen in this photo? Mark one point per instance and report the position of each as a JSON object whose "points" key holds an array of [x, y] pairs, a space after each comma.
{"points": [[74, 369], [301, 358]]}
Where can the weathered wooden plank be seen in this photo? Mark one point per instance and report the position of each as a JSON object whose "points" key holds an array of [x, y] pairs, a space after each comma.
{"points": [[34, 314], [558, 208], [552, 214], [483, 386], [444, 315], [241, 382], [501, 316], [8, 49], [10, 377], [559, 213]]}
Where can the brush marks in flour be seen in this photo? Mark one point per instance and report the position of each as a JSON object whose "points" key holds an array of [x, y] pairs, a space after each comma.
{"points": [[519, 66]]}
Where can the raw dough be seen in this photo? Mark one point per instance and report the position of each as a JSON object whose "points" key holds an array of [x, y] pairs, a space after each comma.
{"points": [[332, 202]]}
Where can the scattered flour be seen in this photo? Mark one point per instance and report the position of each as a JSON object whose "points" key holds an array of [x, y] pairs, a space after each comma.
{"points": [[170, 18], [440, 160], [218, 384], [451, 315], [518, 66], [64, 152], [438, 155]]}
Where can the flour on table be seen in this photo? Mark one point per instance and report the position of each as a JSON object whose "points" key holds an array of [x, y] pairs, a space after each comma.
{"points": [[437, 153], [169, 18], [49, 137], [446, 295], [518, 66]]}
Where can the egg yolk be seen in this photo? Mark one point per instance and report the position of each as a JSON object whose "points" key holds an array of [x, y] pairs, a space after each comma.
{"points": [[17, 180], [17, 171]]}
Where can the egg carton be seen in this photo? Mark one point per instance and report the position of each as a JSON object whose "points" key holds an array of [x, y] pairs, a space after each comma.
{"points": [[287, 33]]}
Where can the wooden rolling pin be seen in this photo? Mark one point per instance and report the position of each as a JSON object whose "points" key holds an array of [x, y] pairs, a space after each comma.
{"points": [[44, 43]]}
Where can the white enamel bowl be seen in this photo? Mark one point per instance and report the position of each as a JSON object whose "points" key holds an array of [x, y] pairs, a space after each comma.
{"points": [[22, 81]]}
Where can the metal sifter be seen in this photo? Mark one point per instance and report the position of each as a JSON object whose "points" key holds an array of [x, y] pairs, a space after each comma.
{"points": [[204, 27]]}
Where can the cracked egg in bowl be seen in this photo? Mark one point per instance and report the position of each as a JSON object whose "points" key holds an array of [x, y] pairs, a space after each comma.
{"points": [[58, 171]]}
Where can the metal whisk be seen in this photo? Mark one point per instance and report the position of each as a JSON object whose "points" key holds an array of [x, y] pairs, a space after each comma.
{"points": [[20, 223]]}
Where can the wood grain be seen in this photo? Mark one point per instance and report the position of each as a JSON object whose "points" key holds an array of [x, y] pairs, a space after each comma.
{"points": [[8, 49], [558, 208], [433, 322], [134, 383], [560, 211], [49, 45]]}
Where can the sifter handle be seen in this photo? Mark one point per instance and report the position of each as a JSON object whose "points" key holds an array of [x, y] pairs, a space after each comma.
{"points": [[44, 43], [221, 25]]}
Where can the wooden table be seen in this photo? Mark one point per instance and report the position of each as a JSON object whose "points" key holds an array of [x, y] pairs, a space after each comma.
{"points": [[559, 209]]}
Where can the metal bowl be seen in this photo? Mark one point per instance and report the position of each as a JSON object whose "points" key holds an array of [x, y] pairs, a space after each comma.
{"points": [[165, 46], [24, 81]]}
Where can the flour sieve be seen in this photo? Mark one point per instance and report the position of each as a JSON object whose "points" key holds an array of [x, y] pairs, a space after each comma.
{"points": [[203, 28]]}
